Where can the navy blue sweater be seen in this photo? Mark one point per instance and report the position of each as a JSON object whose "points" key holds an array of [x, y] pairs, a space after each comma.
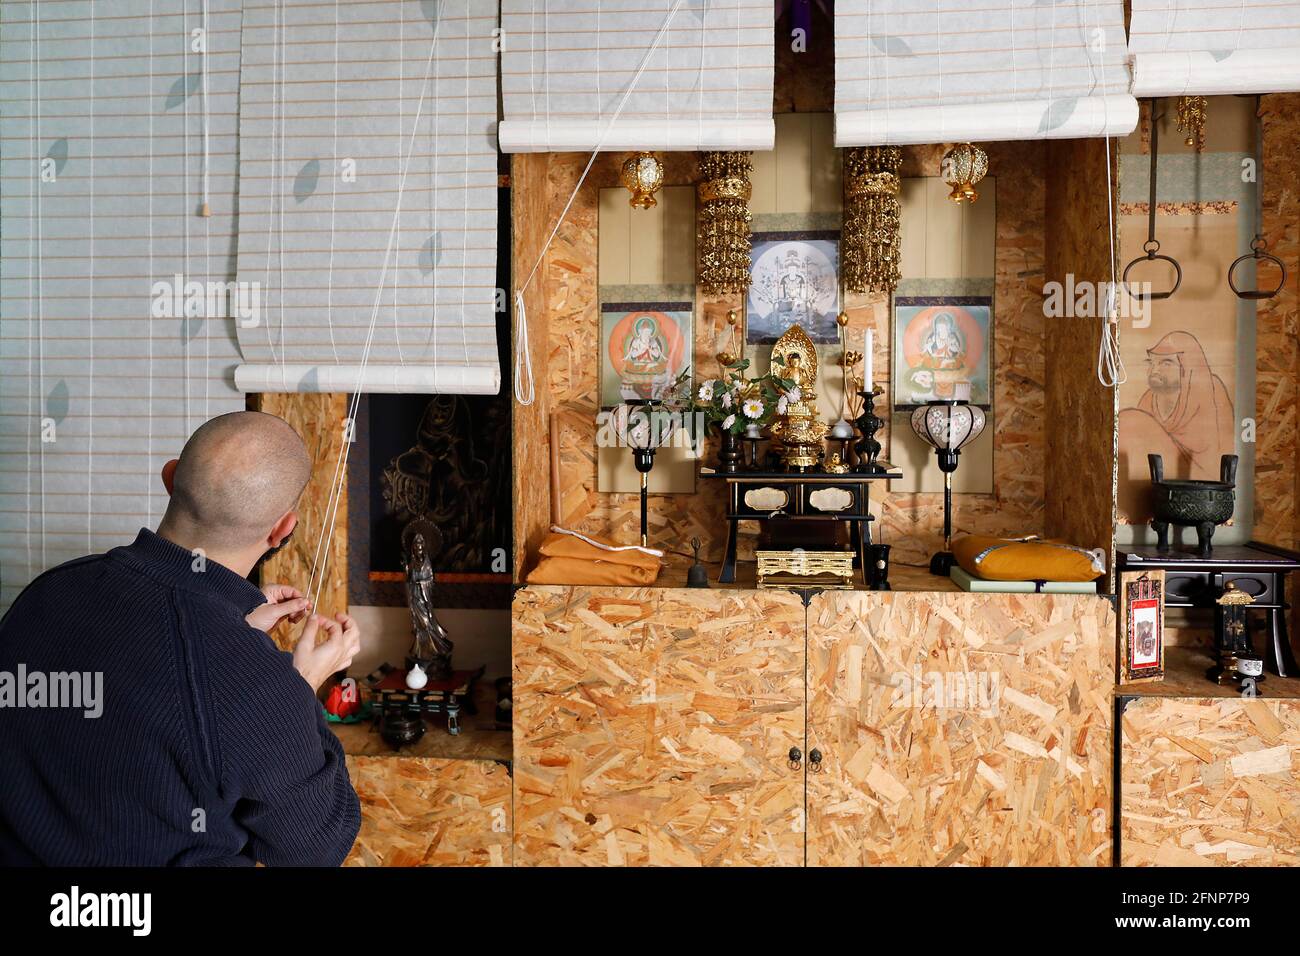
{"points": [[210, 748]]}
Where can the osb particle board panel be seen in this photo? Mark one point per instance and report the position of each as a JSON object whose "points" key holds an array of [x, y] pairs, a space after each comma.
{"points": [[570, 375], [1276, 329], [319, 419], [652, 727], [1210, 782], [1081, 432], [530, 214], [960, 729], [431, 812]]}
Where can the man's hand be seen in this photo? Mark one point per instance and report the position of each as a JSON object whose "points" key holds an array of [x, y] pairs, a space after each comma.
{"points": [[317, 663], [281, 601]]}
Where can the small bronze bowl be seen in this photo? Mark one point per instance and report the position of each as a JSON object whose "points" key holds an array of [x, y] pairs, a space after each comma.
{"points": [[400, 730]]}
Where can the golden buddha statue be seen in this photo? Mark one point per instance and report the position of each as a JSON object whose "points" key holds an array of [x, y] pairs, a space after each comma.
{"points": [[800, 430]]}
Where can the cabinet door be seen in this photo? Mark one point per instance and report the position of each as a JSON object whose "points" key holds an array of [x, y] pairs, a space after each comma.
{"points": [[652, 727], [1210, 782], [960, 729]]}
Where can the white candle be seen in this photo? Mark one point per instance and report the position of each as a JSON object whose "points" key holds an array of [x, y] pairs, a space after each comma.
{"points": [[866, 351]]}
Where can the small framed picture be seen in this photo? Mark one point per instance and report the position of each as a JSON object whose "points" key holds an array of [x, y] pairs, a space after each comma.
{"points": [[1142, 627]]}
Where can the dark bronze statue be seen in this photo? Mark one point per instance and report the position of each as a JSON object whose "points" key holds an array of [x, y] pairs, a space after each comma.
{"points": [[432, 647]]}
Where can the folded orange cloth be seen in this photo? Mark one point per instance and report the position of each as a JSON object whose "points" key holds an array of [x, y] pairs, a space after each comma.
{"points": [[579, 571], [561, 543], [1026, 559]]}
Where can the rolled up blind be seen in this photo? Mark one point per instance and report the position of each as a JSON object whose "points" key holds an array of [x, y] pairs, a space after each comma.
{"points": [[933, 71], [567, 64], [1214, 47], [116, 339], [368, 196]]}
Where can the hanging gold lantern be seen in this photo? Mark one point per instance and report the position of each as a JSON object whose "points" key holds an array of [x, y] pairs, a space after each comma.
{"points": [[870, 244], [722, 226], [963, 166], [643, 174], [1192, 113]]}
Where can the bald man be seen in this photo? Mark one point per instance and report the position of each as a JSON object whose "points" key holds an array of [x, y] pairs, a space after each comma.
{"points": [[179, 734]]}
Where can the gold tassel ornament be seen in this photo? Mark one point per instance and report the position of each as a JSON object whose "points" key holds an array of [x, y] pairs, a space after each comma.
{"points": [[1192, 113], [870, 244], [722, 224]]}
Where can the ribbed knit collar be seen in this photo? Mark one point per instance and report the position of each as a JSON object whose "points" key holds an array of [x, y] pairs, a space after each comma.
{"points": [[174, 565]]}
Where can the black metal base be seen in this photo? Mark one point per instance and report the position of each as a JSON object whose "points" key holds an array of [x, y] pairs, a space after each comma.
{"points": [[942, 563]]}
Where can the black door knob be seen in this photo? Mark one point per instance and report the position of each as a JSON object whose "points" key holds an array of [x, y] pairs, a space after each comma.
{"points": [[796, 758], [815, 759]]}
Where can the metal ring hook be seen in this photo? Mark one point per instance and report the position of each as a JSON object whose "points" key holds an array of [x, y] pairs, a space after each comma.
{"points": [[1151, 256], [1258, 252]]}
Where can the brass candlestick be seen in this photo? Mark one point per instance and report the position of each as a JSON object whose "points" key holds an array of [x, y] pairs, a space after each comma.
{"points": [[869, 423]]}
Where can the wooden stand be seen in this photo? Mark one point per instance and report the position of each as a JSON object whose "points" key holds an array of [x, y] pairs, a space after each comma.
{"points": [[1258, 569], [787, 498]]}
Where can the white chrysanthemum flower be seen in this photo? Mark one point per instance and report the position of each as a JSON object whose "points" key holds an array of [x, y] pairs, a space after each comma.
{"points": [[752, 408], [781, 405], [728, 421], [795, 394], [706, 391], [726, 399]]}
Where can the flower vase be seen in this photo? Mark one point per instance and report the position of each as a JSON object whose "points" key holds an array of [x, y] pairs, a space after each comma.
{"points": [[728, 451]]}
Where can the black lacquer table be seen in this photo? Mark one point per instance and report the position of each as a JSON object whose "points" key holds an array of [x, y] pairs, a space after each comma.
{"points": [[1195, 581], [794, 499]]}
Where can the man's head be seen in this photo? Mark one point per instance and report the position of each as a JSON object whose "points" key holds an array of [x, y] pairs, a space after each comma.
{"points": [[236, 485], [1164, 372]]}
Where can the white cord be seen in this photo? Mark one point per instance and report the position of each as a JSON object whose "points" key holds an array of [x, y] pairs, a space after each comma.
{"points": [[316, 580], [334, 190], [1110, 364], [40, 271], [524, 387], [203, 61], [90, 312], [185, 211], [272, 180], [464, 235]]}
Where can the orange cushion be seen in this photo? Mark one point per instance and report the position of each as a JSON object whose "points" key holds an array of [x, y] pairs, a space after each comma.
{"points": [[577, 571], [1010, 559], [590, 547]]}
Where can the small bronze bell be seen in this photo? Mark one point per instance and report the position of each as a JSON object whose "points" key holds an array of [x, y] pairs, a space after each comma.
{"points": [[698, 575]]}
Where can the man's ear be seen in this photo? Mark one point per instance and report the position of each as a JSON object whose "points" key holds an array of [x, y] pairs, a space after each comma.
{"points": [[283, 528], [169, 474]]}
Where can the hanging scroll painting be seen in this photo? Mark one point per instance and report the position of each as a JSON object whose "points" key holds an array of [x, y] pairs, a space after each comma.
{"points": [[940, 343], [644, 347], [794, 280]]}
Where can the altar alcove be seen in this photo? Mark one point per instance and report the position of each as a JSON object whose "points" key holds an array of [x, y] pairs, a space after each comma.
{"points": [[1046, 462]]}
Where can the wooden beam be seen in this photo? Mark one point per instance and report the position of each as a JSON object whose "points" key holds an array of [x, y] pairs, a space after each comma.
{"points": [[319, 419]]}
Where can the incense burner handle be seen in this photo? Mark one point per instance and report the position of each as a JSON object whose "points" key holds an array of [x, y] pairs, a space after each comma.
{"points": [[1158, 467]]}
